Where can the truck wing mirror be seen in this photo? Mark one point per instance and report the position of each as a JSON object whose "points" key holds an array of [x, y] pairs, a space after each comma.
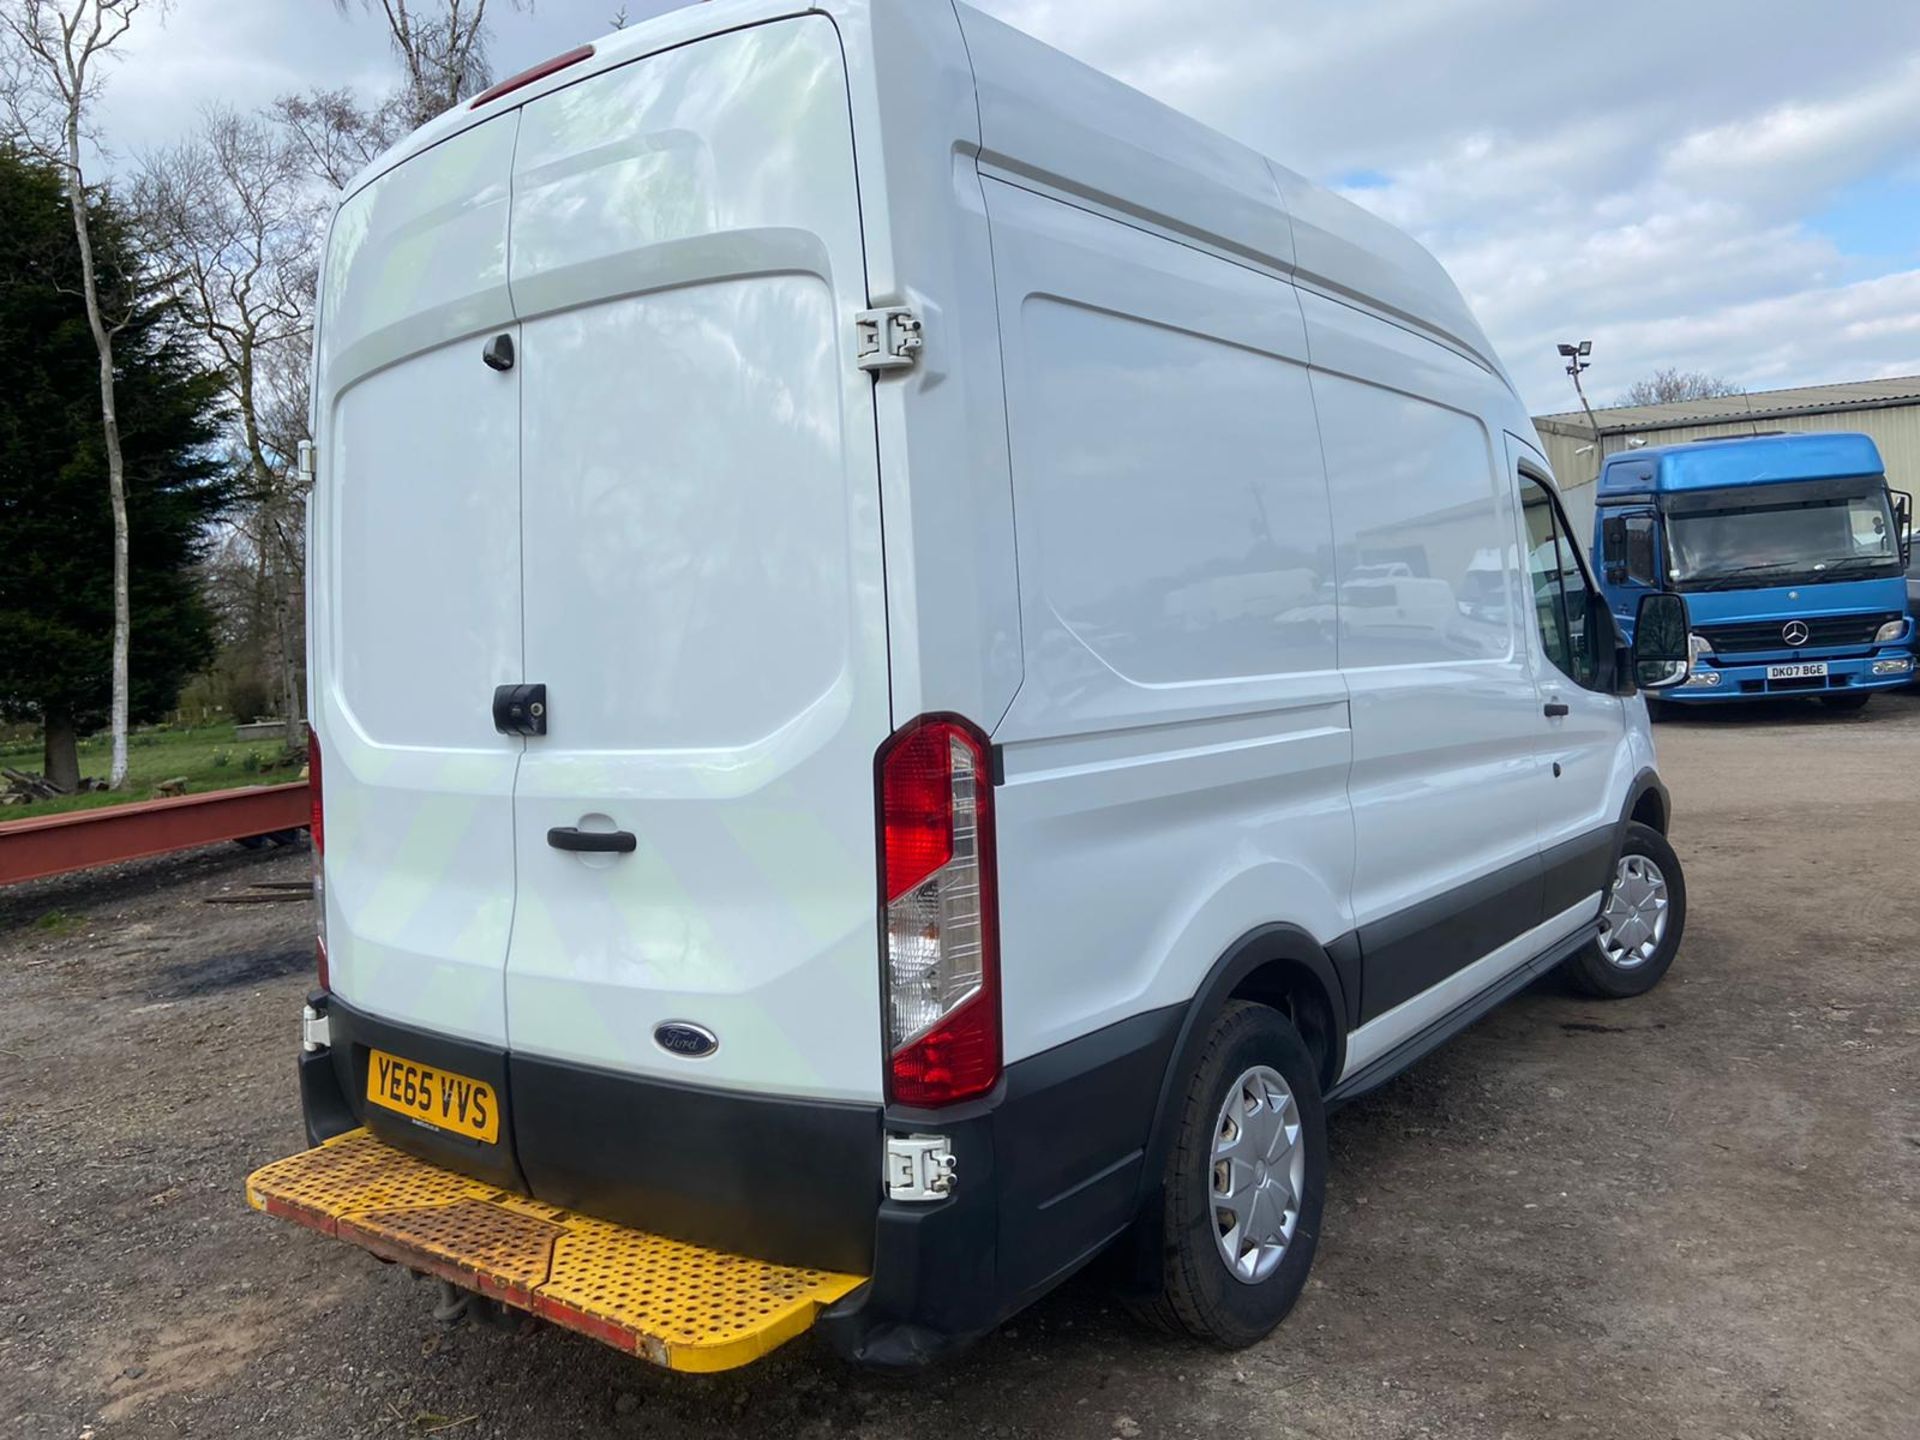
{"points": [[1610, 647], [1903, 525], [1613, 538], [1660, 655]]}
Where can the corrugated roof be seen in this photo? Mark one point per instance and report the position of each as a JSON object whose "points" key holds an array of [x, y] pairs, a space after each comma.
{"points": [[1761, 405]]}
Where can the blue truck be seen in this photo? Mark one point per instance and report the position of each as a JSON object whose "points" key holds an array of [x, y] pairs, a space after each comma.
{"points": [[1790, 550]]}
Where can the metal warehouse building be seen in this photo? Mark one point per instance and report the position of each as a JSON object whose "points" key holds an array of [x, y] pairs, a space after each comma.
{"points": [[1886, 410]]}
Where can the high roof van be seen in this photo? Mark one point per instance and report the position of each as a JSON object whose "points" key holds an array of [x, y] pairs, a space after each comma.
{"points": [[918, 664]]}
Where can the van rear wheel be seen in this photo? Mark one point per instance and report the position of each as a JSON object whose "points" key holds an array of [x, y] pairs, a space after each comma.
{"points": [[1641, 925], [1245, 1183]]}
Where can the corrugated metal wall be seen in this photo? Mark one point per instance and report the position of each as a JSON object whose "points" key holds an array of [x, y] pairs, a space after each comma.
{"points": [[1895, 429]]}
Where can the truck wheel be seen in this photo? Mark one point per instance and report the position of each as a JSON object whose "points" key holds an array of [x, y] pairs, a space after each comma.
{"points": [[1245, 1183], [1640, 928], [1846, 702]]}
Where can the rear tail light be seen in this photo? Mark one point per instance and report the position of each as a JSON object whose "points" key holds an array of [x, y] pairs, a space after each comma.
{"points": [[318, 809], [531, 74], [938, 913]]}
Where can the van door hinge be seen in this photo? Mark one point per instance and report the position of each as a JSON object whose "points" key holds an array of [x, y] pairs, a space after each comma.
{"points": [[308, 463], [888, 338], [315, 1031], [919, 1167]]}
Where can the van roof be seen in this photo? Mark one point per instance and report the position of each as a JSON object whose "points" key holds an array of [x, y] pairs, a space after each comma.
{"points": [[1046, 116], [1737, 460]]}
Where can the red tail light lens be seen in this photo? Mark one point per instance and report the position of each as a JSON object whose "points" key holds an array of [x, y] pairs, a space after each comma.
{"points": [[317, 810], [938, 913], [317, 805], [531, 74], [918, 814]]}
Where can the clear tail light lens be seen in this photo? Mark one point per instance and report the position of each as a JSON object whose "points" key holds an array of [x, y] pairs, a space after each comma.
{"points": [[318, 828], [938, 914]]}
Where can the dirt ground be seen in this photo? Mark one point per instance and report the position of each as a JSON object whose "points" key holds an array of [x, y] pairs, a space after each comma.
{"points": [[1692, 1215]]}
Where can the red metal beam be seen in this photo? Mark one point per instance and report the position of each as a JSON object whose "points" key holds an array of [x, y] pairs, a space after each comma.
{"points": [[79, 839]]}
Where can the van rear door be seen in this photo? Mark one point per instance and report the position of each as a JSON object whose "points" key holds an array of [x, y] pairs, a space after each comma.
{"points": [[416, 558], [704, 597]]}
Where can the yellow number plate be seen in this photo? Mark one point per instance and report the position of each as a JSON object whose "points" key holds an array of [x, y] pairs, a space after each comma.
{"points": [[434, 1097]]}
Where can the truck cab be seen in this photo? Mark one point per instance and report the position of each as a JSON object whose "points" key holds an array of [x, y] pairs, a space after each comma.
{"points": [[1790, 550]]}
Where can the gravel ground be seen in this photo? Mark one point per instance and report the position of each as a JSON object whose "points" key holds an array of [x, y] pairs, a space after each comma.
{"points": [[1692, 1215]]}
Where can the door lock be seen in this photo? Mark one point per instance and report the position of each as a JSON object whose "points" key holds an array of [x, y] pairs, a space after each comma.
{"points": [[520, 709]]}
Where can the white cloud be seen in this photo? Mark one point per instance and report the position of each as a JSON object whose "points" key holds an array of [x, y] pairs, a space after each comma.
{"points": [[1778, 153]]}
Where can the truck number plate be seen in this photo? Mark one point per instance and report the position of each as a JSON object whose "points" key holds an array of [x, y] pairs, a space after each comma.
{"points": [[1806, 670], [437, 1098]]}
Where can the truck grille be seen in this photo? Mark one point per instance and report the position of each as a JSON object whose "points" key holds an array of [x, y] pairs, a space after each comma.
{"points": [[1823, 632]]}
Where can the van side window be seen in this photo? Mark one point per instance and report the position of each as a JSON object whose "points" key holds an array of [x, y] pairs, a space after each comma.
{"points": [[1560, 592]]}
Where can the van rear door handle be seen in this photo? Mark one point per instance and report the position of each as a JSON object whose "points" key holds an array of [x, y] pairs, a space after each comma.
{"points": [[592, 842], [1556, 708]]}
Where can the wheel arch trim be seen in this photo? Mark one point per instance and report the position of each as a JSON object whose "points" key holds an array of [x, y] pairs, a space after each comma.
{"points": [[1276, 943], [1646, 783]]}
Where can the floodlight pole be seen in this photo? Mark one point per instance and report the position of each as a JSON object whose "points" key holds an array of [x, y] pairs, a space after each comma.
{"points": [[1576, 362]]}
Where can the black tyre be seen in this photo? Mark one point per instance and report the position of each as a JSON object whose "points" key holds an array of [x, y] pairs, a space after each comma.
{"points": [[1846, 702], [1245, 1183], [1645, 916]]}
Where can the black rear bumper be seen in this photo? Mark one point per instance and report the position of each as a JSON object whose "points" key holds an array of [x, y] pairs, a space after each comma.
{"points": [[1048, 1168]]}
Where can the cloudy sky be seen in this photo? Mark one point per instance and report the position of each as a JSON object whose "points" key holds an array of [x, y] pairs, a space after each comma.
{"points": [[1725, 185]]}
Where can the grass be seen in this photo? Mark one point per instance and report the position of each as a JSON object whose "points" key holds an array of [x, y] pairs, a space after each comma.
{"points": [[207, 756]]}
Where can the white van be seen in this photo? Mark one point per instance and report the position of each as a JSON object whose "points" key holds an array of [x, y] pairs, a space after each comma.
{"points": [[913, 676]]}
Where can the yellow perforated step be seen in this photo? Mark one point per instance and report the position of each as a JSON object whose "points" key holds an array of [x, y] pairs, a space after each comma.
{"points": [[674, 1304]]}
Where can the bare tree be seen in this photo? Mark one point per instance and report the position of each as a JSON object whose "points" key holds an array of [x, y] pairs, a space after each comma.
{"points": [[1667, 385], [442, 46], [232, 215], [50, 75], [281, 399], [335, 134]]}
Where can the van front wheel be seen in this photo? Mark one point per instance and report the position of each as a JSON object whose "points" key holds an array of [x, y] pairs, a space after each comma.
{"points": [[1641, 925], [1245, 1183]]}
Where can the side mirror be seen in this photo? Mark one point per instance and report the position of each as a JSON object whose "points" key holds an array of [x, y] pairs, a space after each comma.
{"points": [[1903, 525], [1661, 659]]}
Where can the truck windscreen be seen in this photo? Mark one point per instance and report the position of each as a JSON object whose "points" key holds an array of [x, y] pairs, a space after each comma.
{"points": [[1749, 537]]}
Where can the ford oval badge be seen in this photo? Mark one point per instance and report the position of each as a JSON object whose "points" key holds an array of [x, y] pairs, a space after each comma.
{"points": [[687, 1040]]}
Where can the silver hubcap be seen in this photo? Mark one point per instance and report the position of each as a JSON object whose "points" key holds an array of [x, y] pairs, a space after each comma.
{"points": [[1259, 1174], [1635, 920]]}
